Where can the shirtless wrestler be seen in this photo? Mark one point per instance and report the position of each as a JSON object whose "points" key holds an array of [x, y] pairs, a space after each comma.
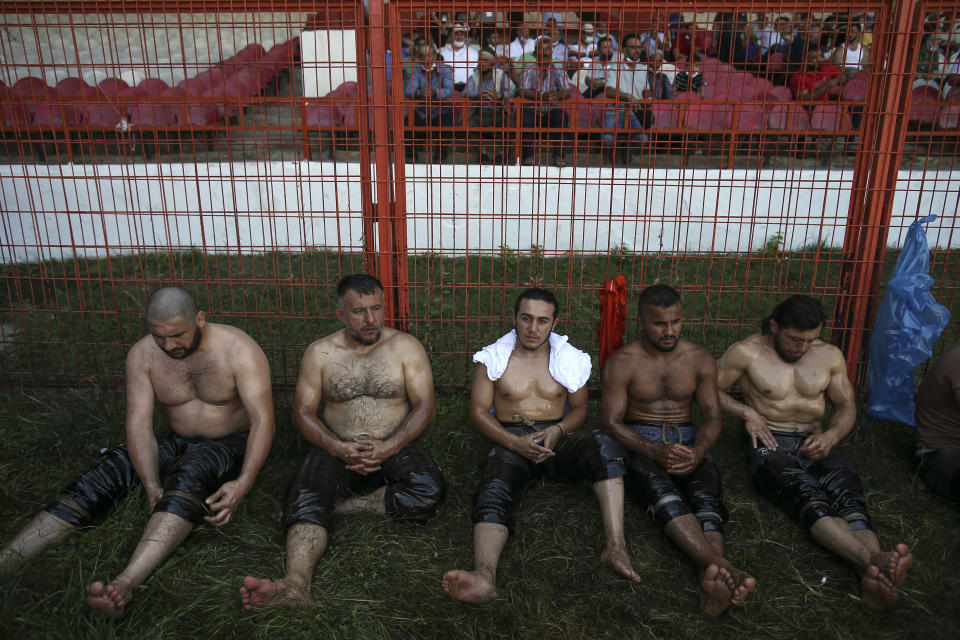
{"points": [[213, 381], [787, 374], [529, 377], [376, 388], [938, 425], [649, 387]]}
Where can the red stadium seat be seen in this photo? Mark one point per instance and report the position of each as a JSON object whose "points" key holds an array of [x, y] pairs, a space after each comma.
{"points": [[747, 117], [781, 94], [149, 111], [924, 104], [114, 87], [24, 96], [666, 115], [855, 90], [948, 117], [705, 117], [788, 116], [250, 53], [153, 86], [830, 116], [98, 110], [322, 115]]}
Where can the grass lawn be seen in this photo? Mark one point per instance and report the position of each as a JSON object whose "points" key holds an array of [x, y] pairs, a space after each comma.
{"points": [[71, 323], [382, 580]]}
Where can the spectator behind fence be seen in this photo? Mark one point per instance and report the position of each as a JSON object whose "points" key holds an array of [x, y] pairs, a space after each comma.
{"points": [[776, 37], [660, 83], [460, 56], [492, 87], [431, 85], [850, 56], [591, 76], [586, 45], [654, 38], [816, 77], [553, 29], [929, 62], [524, 41], [627, 83], [546, 85], [601, 25], [493, 42], [690, 79]]}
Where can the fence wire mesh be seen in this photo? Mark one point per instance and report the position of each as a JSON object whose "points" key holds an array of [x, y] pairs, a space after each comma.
{"points": [[740, 152]]}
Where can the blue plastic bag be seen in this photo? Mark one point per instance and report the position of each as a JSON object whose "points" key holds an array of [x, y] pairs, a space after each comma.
{"points": [[909, 322]]}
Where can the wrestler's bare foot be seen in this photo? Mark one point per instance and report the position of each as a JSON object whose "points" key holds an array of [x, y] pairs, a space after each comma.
{"points": [[717, 589], [895, 564], [745, 584], [257, 594], [108, 600], [469, 586], [879, 592], [618, 561]]}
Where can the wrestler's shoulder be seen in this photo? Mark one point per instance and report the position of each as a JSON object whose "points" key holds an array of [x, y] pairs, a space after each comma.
{"points": [[751, 346], [401, 341], [826, 351], [234, 341]]}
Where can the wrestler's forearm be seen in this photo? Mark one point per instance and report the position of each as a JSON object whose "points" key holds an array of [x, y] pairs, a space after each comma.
{"points": [[732, 407], [316, 433], [144, 456], [491, 429], [416, 423], [842, 421], [258, 447], [632, 441], [707, 435], [574, 419]]}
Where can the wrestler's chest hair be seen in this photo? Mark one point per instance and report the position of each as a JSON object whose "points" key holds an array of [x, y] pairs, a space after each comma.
{"points": [[655, 382], [179, 381], [378, 377]]}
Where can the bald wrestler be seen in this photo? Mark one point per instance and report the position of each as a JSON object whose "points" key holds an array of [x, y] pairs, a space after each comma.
{"points": [[649, 387], [787, 374], [213, 381], [376, 388], [529, 377]]}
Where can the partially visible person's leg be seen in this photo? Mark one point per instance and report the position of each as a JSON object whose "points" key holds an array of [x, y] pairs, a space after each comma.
{"points": [[307, 516], [504, 477]]}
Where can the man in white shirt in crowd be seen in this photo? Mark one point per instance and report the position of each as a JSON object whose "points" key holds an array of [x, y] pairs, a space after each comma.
{"points": [[460, 56]]}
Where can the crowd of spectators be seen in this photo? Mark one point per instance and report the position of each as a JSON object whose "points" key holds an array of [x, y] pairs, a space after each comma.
{"points": [[548, 58]]}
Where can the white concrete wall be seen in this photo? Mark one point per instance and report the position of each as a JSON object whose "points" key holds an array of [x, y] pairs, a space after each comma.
{"points": [[91, 210]]}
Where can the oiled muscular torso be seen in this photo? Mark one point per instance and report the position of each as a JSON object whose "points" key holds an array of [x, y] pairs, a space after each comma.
{"points": [[790, 396], [527, 389], [662, 390], [199, 393], [363, 391]]}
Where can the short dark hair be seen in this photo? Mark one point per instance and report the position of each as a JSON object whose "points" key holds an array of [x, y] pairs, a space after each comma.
{"points": [[537, 293], [631, 36], [658, 295], [799, 312], [359, 283], [169, 303]]}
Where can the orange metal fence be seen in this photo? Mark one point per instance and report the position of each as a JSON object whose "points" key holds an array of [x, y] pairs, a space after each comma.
{"points": [[257, 151]]}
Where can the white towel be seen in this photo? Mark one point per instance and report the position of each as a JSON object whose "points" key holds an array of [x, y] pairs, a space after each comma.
{"points": [[568, 365]]}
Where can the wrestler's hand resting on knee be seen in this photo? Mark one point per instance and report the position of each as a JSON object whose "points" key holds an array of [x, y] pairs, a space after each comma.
{"points": [[224, 500]]}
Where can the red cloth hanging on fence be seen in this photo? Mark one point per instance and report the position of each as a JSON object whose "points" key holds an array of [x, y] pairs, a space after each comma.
{"points": [[613, 316]]}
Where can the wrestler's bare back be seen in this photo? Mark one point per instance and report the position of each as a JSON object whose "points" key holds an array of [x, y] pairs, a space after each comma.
{"points": [[661, 389], [364, 389], [790, 396], [527, 389], [199, 393]]}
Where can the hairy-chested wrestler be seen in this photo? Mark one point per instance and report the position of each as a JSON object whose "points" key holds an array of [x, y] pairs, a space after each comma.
{"points": [[376, 388], [649, 387], [213, 381], [530, 376], [786, 374]]}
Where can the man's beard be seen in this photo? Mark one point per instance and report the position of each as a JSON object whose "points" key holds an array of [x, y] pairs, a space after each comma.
{"points": [[365, 341], [786, 357], [664, 348], [189, 350]]}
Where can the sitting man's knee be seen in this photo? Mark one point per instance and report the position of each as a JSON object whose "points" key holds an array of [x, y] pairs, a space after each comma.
{"points": [[668, 507], [418, 498]]}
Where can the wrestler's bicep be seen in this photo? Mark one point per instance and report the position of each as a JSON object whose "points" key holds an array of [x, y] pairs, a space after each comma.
{"points": [[140, 395], [481, 391], [731, 367], [309, 392], [616, 379], [418, 377]]}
